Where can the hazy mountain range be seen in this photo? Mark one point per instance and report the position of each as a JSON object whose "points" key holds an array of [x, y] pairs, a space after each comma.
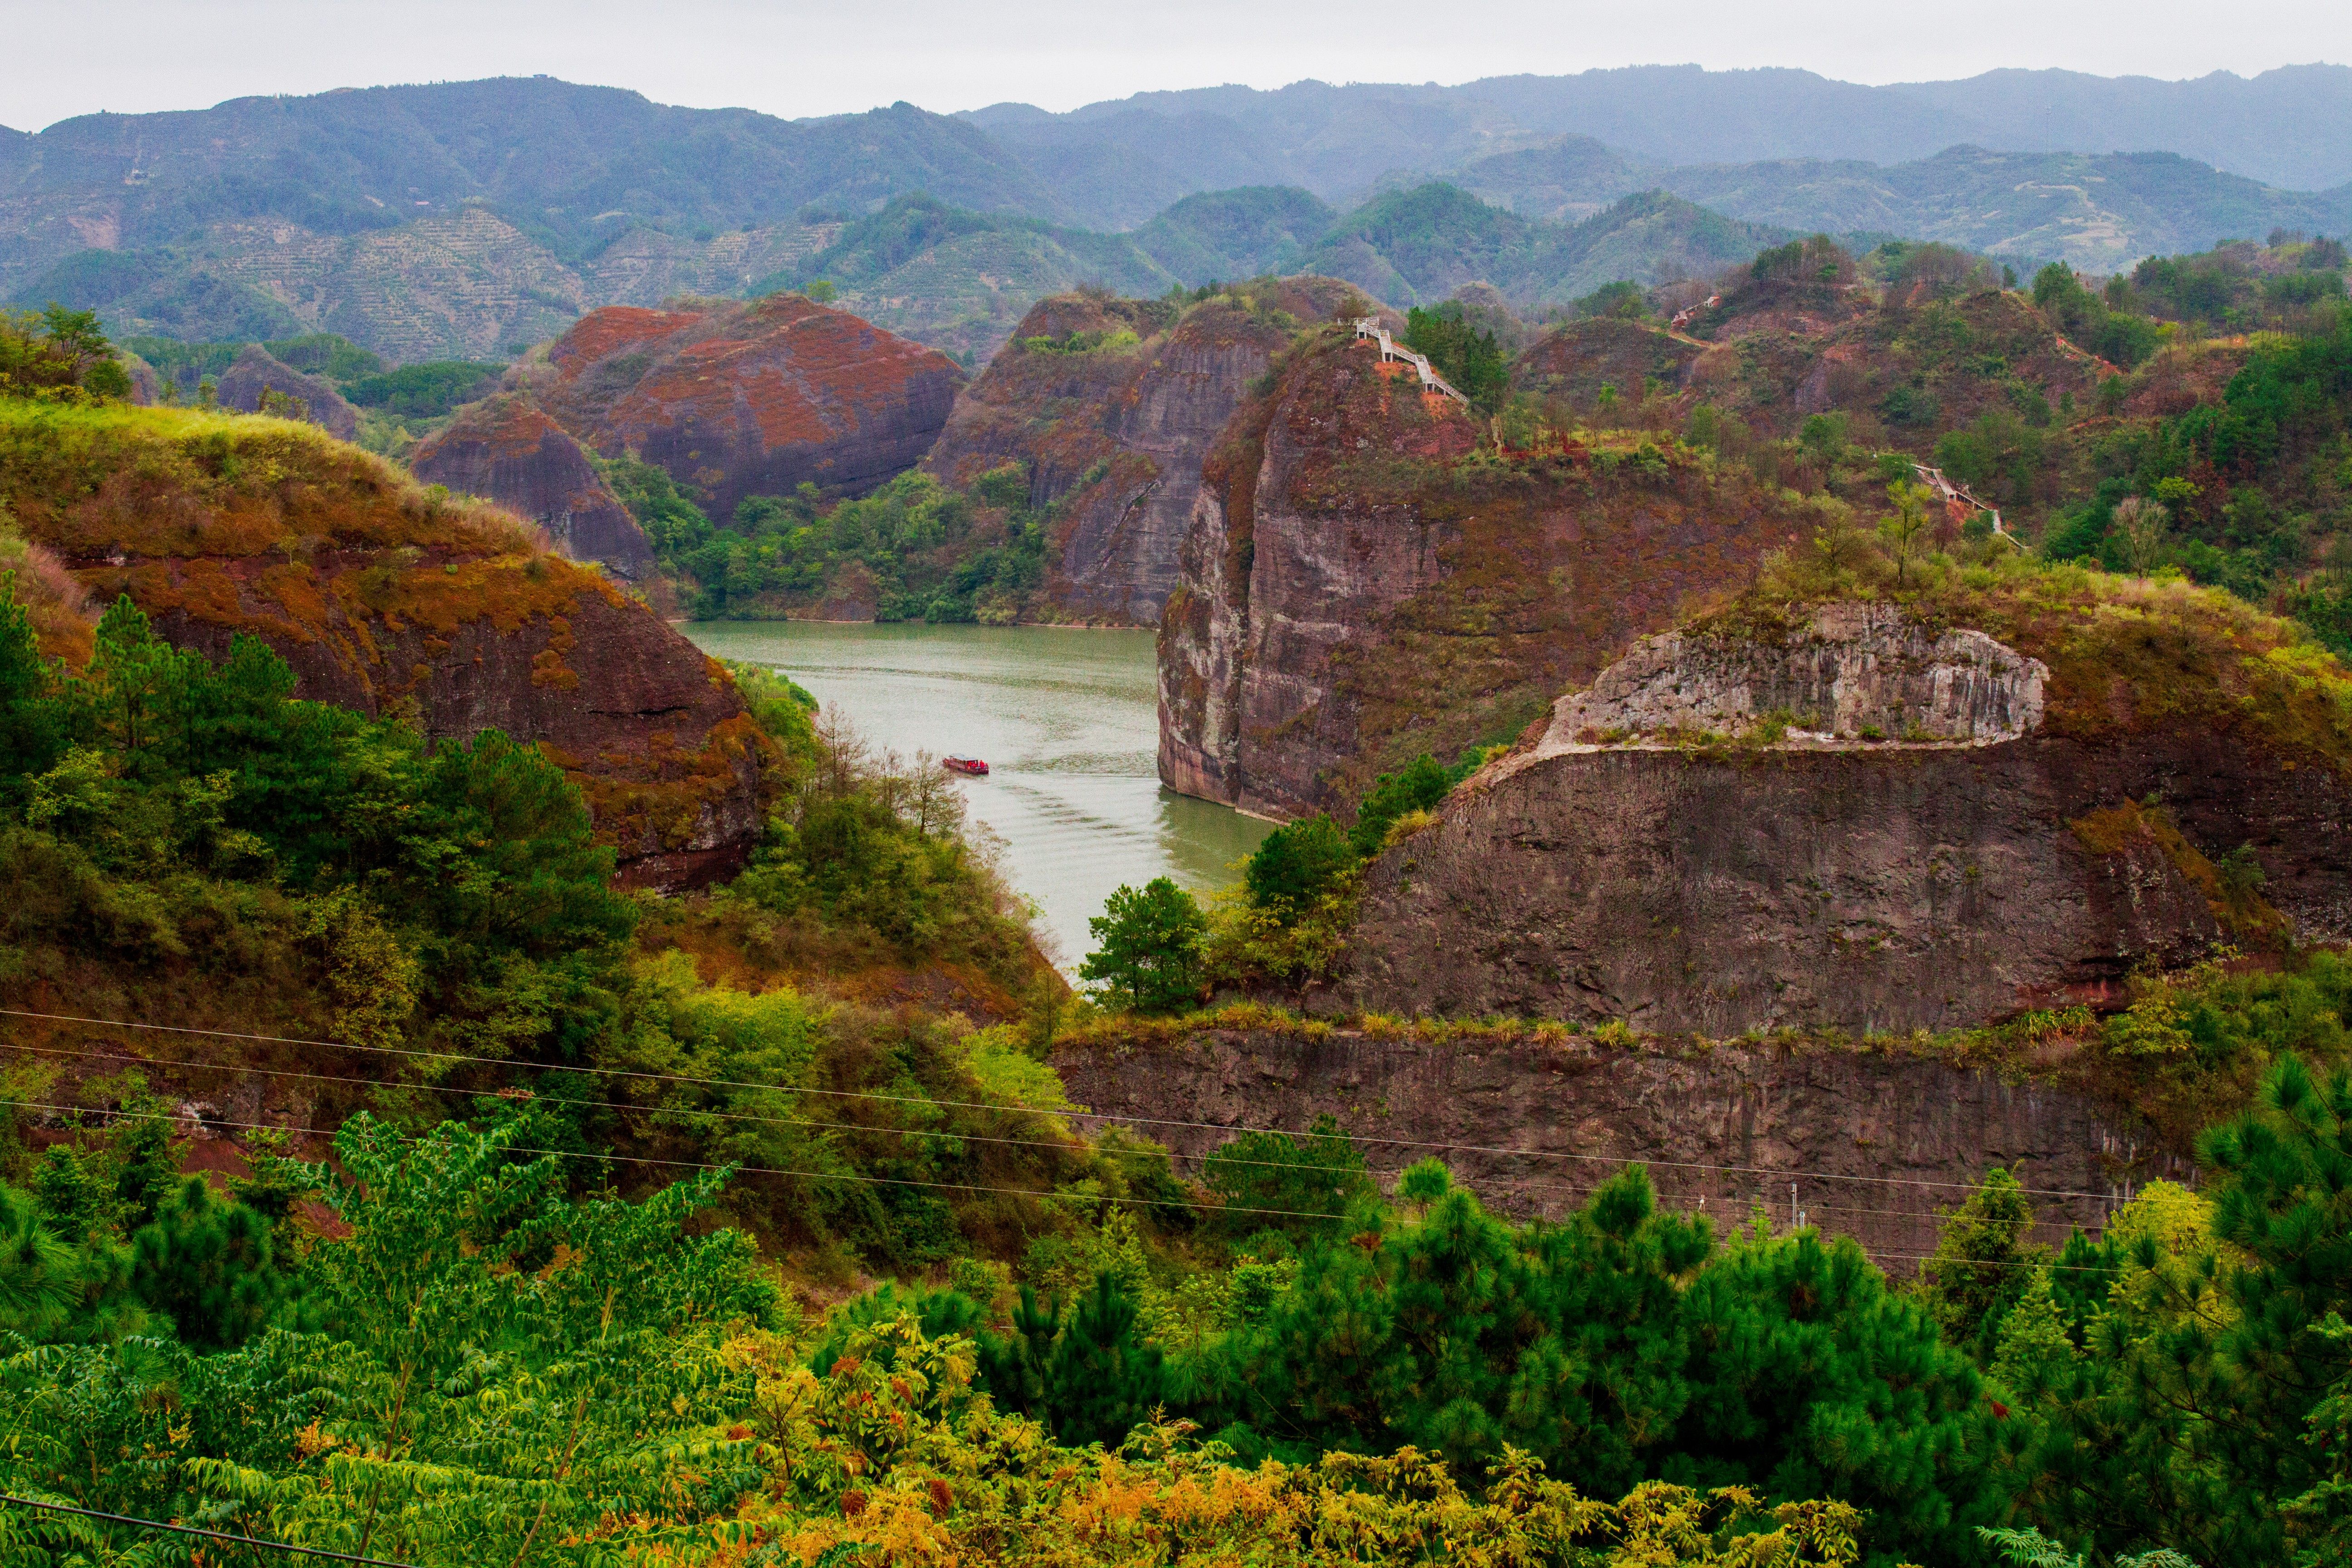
{"points": [[462, 218]]}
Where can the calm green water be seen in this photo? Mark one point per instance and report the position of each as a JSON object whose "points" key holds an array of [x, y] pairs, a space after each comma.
{"points": [[1068, 723]]}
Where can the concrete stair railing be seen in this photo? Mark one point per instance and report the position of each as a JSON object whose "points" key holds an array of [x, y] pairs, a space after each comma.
{"points": [[1370, 327]]}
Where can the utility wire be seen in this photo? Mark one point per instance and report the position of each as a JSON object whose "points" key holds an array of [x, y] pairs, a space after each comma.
{"points": [[738, 1169], [1516, 1183], [208, 1534], [1022, 1109]]}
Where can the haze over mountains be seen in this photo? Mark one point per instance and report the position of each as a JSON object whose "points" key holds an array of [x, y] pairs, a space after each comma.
{"points": [[466, 218]]}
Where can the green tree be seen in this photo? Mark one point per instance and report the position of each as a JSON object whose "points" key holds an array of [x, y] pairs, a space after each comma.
{"points": [[1983, 1262], [2140, 528], [1149, 959], [209, 1265], [1296, 863], [1904, 530], [1303, 1182], [1417, 786]]}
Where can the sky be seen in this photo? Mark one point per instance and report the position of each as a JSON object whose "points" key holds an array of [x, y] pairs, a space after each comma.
{"points": [[798, 59]]}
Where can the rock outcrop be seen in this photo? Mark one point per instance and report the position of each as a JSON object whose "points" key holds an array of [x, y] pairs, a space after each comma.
{"points": [[1357, 585], [1960, 834], [1875, 1143], [383, 598], [1855, 671], [1111, 414], [506, 449], [258, 372], [734, 400]]}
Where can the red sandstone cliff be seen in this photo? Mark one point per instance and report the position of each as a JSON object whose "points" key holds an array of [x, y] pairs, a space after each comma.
{"points": [[1951, 826], [735, 400], [1358, 585], [507, 449], [383, 599], [1112, 416]]}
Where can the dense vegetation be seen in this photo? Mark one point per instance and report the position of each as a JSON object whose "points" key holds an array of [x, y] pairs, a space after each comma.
{"points": [[914, 550], [586, 1282]]}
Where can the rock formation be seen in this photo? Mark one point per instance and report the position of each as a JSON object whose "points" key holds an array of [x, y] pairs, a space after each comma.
{"points": [[1358, 587], [383, 598], [1865, 822], [735, 400], [258, 372], [1111, 417], [1875, 1143], [506, 449]]}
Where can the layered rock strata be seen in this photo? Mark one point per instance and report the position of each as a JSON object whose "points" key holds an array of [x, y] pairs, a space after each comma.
{"points": [[508, 451], [1678, 850], [1874, 1144], [1359, 585], [1111, 415], [734, 400]]}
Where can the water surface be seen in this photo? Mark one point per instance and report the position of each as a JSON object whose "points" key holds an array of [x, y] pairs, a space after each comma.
{"points": [[1068, 723]]}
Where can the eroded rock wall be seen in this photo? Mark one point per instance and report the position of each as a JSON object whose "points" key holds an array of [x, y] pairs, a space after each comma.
{"points": [[507, 449], [735, 400], [1875, 1142], [1826, 880], [1116, 436], [1357, 587]]}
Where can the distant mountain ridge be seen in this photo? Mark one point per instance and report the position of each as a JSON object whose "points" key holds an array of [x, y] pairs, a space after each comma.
{"points": [[463, 219], [2290, 127]]}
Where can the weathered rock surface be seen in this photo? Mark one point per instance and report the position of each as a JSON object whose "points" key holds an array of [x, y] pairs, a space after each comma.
{"points": [[1857, 668], [735, 400], [1354, 589], [1827, 881], [507, 449], [383, 598], [1118, 434], [257, 371], [1875, 1142]]}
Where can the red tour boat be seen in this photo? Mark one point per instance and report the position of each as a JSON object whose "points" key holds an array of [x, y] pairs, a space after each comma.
{"points": [[972, 765]]}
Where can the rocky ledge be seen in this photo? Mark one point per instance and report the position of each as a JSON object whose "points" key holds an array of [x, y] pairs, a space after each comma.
{"points": [[1875, 1142], [1637, 862]]}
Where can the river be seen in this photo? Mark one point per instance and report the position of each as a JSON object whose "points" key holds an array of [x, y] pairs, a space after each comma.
{"points": [[1068, 723]]}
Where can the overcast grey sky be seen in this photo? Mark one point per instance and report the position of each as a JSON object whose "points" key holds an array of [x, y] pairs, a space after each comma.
{"points": [[800, 59]]}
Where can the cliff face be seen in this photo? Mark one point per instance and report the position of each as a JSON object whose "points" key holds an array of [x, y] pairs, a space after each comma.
{"points": [[257, 371], [1875, 1143], [508, 451], [2018, 838], [735, 400], [1357, 586], [1116, 431], [383, 599]]}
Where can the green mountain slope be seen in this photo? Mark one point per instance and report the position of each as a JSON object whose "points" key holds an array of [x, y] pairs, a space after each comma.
{"points": [[2099, 212], [1236, 234], [1419, 246], [960, 280]]}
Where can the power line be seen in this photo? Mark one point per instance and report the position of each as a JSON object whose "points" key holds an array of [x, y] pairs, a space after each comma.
{"points": [[738, 1169], [1022, 1109], [948, 1187], [1516, 1183], [208, 1534]]}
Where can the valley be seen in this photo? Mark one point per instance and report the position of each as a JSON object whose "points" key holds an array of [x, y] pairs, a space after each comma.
{"points": [[1696, 917]]}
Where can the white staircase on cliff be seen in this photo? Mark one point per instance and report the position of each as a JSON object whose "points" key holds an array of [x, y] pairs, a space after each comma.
{"points": [[1370, 327], [1948, 493]]}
